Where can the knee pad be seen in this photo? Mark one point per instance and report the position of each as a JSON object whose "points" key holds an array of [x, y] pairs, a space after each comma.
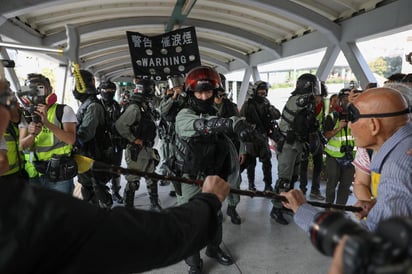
{"points": [[132, 186], [282, 185]]}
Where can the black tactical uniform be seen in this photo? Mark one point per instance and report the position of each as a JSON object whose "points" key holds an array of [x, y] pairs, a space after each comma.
{"points": [[113, 140], [297, 122], [89, 142], [259, 112], [204, 149], [137, 125], [172, 102]]}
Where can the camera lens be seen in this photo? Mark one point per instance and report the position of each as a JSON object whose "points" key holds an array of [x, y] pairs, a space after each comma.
{"points": [[328, 228]]}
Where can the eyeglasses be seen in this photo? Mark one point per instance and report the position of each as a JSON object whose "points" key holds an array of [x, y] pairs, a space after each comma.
{"points": [[220, 96], [354, 114]]}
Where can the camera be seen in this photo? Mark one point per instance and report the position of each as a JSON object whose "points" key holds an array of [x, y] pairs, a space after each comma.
{"points": [[305, 100], [346, 149], [343, 117], [7, 63], [388, 250]]}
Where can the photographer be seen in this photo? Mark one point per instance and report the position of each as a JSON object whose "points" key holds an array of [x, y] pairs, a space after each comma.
{"points": [[339, 152], [14, 153], [47, 136]]}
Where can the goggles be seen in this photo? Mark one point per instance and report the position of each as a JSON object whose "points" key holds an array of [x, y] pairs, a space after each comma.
{"points": [[221, 95], [354, 114]]}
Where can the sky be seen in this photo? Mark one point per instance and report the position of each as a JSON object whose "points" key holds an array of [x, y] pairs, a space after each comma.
{"points": [[392, 45]]}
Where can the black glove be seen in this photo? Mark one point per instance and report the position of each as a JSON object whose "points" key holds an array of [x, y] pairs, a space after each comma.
{"points": [[245, 131]]}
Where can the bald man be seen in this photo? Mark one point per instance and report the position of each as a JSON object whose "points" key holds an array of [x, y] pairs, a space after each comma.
{"points": [[379, 120]]}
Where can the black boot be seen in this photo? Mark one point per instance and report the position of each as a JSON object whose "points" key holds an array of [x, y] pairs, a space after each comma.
{"points": [[234, 217], [154, 197], [128, 197], [277, 215], [252, 186], [195, 264], [155, 205], [102, 194], [218, 254], [117, 197], [268, 187], [129, 191]]}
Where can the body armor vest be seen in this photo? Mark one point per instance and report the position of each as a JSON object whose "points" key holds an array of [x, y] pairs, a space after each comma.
{"points": [[207, 155], [145, 129], [95, 146]]}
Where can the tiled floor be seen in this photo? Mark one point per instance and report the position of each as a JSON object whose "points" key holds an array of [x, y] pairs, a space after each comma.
{"points": [[259, 245]]}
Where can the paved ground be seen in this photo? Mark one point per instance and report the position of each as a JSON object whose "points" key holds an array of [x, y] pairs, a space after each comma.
{"points": [[259, 245]]}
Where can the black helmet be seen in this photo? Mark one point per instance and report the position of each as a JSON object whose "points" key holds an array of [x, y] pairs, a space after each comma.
{"points": [[343, 92], [146, 87], [107, 90], [201, 79], [107, 85], [222, 81], [261, 85], [307, 83], [323, 89], [88, 79]]}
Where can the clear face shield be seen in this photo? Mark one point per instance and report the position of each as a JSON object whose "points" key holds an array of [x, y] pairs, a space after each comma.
{"points": [[175, 81], [316, 88]]}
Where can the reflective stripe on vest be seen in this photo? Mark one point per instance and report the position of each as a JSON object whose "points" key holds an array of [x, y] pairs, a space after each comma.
{"points": [[12, 151], [46, 144], [334, 144]]}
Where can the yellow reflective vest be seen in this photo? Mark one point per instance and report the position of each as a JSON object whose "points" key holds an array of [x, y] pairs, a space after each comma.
{"points": [[14, 154], [333, 147], [46, 144]]}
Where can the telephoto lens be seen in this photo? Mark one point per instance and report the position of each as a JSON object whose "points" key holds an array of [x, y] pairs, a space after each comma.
{"points": [[328, 228]]}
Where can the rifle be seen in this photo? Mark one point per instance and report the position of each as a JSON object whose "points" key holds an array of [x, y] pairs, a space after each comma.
{"points": [[84, 164]]}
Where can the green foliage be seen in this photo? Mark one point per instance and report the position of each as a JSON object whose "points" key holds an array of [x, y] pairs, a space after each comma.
{"points": [[378, 66], [386, 66], [394, 65]]}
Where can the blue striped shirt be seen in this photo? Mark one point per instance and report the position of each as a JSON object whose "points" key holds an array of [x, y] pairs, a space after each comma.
{"points": [[395, 185]]}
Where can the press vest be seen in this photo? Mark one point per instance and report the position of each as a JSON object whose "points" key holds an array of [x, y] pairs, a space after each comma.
{"points": [[46, 144], [14, 155], [342, 138]]}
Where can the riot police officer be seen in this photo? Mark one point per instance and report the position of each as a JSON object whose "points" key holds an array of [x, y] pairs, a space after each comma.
{"points": [[172, 102], [137, 125], [113, 140], [297, 122], [226, 109], [90, 141], [202, 147], [259, 112]]}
